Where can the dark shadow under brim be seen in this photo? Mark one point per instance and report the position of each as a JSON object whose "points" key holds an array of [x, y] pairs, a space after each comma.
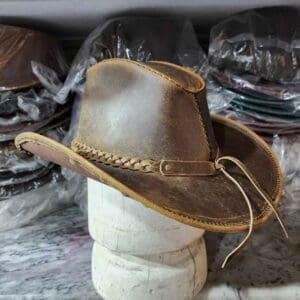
{"points": [[212, 202]]}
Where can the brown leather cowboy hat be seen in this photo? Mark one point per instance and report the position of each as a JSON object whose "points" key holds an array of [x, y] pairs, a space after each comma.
{"points": [[145, 130], [18, 48]]}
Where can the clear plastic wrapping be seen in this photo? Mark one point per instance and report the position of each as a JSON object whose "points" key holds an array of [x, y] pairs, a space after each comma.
{"points": [[276, 121], [250, 85], [36, 187], [65, 189], [30, 105], [136, 38], [31, 75], [263, 42], [284, 138], [59, 119], [31, 187], [254, 61], [218, 98], [15, 161], [287, 150], [251, 121]]}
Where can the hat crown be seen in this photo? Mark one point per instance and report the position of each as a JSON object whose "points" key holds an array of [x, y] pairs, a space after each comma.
{"points": [[151, 110]]}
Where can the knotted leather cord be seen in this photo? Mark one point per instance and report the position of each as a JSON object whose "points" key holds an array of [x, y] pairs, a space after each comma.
{"points": [[259, 189]]}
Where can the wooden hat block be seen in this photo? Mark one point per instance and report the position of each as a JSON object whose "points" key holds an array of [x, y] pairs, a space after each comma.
{"points": [[139, 253]]}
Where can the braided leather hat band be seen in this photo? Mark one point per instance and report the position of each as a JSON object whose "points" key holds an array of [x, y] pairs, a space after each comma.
{"points": [[163, 167]]}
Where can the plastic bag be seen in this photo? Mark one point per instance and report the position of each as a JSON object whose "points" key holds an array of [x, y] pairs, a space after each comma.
{"points": [[218, 98], [284, 138], [136, 38], [19, 167], [264, 42], [42, 187], [15, 161], [36, 187], [254, 58], [250, 85], [267, 117], [61, 192], [38, 66], [287, 150], [31, 187], [30, 105]]}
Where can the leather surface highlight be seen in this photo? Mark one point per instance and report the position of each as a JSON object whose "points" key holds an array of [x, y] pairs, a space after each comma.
{"points": [[139, 113]]}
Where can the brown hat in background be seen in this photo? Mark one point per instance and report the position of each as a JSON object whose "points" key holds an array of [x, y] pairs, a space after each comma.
{"points": [[21, 46], [26, 105], [145, 130]]}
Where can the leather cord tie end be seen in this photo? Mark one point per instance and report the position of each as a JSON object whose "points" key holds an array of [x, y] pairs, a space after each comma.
{"points": [[219, 166]]}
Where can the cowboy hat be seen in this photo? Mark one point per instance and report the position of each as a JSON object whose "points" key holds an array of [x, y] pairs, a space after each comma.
{"points": [[145, 130]]}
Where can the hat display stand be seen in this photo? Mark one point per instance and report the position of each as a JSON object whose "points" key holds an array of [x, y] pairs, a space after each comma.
{"points": [[139, 253]]}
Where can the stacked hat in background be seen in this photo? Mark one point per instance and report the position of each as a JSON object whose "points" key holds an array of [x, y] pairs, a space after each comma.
{"points": [[27, 105], [255, 58], [255, 77]]}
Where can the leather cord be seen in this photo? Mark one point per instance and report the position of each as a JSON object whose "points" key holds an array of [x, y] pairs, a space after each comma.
{"points": [[263, 194]]}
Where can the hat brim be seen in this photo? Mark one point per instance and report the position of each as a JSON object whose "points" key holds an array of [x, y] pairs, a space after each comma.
{"points": [[212, 203]]}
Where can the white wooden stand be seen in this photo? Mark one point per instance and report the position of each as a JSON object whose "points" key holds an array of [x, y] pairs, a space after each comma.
{"points": [[139, 253]]}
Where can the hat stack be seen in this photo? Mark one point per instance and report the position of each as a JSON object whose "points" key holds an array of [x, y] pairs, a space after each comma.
{"points": [[25, 105], [255, 57]]}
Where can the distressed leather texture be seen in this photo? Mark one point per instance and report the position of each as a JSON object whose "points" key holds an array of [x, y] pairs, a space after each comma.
{"points": [[144, 113], [158, 111], [18, 48]]}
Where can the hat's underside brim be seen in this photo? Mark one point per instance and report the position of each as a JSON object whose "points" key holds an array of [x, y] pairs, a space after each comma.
{"points": [[213, 203]]}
